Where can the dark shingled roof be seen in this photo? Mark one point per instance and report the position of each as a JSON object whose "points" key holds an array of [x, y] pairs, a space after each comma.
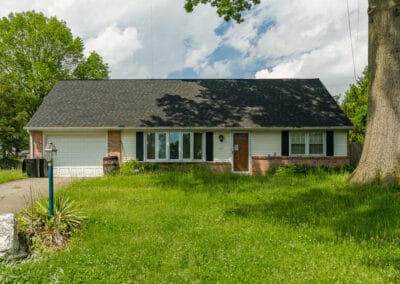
{"points": [[189, 103]]}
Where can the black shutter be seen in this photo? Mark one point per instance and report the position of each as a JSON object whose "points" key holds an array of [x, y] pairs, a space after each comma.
{"points": [[285, 143], [209, 146], [139, 146], [329, 143]]}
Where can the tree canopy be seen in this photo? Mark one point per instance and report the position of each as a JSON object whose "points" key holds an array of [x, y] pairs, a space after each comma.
{"points": [[35, 52], [93, 68], [355, 106], [229, 9]]}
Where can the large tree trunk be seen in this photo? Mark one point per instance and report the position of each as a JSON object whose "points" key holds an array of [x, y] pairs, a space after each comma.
{"points": [[380, 160]]}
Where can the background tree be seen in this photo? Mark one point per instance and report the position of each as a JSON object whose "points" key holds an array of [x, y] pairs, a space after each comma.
{"points": [[92, 69], [355, 105], [380, 160], [229, 9], [12, 119], [36, 52]]}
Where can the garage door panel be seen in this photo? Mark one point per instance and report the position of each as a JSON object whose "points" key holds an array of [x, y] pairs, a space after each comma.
{"points": [[79, 155]]}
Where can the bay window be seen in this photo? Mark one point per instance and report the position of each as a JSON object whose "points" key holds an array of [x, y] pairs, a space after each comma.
{"points": [[162, 146], [186, 146], [197, 146], [174, 146], [306, 143], [151, 146]]}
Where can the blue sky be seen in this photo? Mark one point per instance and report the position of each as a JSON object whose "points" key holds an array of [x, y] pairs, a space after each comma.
{"points": [[158, 39]]}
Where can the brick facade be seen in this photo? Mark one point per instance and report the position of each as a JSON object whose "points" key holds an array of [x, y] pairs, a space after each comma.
{"points": [[37, 144], [114, 144], [261, 164]]}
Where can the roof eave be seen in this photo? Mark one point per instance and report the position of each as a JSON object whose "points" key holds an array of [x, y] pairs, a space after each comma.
{"points": [[184, 128]]}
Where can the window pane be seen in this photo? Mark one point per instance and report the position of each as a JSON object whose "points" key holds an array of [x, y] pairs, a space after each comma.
{"points": [[298, 143], [198, 146], [151, 146], [174, 145], [298, 149], [316, 143], [316, 149], [186, 145], [162, 145]]}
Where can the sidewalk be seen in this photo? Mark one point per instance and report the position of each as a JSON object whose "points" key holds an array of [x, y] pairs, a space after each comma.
{"points": [[16, 195]]}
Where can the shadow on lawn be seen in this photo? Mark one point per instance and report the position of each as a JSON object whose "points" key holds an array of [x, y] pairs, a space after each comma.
{"points": [[360, 213]]}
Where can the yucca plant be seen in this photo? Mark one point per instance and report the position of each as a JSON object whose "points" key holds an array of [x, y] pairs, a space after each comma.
{"points": [[44, 232]]}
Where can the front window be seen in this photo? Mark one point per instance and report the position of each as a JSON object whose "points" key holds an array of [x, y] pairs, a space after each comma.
{"points": [[307, 143], [198, 146], [174, 146], [151, 146], [162, 146], [316, 143], [186, 145], [298, 143]]}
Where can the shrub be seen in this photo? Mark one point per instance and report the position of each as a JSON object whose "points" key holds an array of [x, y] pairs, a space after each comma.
{"points": [[10, 163], [46, 233], [132, 167]]}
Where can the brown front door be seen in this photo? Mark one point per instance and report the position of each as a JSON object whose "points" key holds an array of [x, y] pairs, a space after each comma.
{"points": [[240, 152]]}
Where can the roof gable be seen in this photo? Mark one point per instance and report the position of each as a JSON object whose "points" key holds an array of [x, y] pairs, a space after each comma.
{"points": [[189, 103]]}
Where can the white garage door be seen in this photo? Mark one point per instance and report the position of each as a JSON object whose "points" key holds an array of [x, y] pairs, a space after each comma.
{"points": [[79, 155]]}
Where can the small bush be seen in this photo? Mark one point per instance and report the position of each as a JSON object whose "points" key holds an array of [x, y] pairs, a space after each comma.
{"points": [[10, 163], [132, 167], [45, 233]]}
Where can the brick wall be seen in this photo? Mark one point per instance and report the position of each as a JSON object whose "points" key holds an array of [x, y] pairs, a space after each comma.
{"points": [[261, 164], [114, 144], [37, 144]]}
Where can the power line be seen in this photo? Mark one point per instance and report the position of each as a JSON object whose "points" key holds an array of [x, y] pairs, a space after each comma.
{"points": [[351, 41]]}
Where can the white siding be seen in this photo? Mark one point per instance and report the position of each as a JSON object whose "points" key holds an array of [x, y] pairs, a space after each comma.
{"points": [[340, 143], [128, 145], [223, 150], [266, 143], [79, 154]]}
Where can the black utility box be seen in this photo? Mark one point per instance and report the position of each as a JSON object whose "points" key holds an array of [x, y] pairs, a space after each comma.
{"points": [[35, 168]]}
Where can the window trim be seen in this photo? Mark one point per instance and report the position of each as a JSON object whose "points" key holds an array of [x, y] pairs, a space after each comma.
{"points": [[307, 144], [180, 159]]}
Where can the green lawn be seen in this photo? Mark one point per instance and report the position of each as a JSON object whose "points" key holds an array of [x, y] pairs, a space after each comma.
{"points": [[10, 175], [197, 227]]}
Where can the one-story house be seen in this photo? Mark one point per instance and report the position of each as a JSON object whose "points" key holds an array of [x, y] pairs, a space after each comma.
{"points": [[242, 125]]}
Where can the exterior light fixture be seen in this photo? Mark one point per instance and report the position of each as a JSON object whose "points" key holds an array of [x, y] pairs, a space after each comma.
{"points": [[50, 153], [221, 138]]}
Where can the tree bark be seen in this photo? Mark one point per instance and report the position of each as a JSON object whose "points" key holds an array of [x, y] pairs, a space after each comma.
{"points": [[380, 159]]}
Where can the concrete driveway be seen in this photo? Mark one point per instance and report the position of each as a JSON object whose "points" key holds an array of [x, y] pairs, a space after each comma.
{"points": [[16, 195]]}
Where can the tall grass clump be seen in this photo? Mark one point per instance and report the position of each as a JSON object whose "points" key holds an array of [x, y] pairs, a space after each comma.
{"points": [[50, 233]]}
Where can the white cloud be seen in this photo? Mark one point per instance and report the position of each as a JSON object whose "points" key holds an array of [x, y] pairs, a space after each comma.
{"points": [[115, 45], [332, 64], [310, 38], [150, 39]]}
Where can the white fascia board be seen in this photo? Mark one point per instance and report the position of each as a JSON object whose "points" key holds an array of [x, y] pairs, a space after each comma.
{"points": [[185, 128]]}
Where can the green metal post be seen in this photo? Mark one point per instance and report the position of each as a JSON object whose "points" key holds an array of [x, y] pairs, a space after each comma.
{"points": [[51, 187]]}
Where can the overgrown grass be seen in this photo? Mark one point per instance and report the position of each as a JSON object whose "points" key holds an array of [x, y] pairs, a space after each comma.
{"points": [[198, 227], [10, 175]]}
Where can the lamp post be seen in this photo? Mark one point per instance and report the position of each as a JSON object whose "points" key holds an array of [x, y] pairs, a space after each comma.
{"points": [[50, 152]]}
